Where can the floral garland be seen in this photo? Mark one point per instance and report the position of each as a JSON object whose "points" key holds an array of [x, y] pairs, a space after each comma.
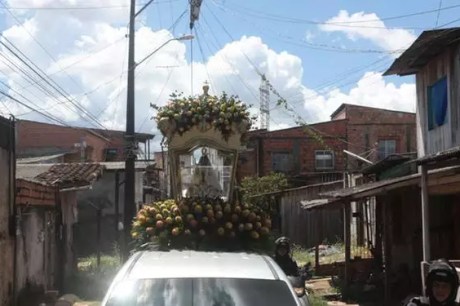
{"points": [[206, 112], [193, 220]]}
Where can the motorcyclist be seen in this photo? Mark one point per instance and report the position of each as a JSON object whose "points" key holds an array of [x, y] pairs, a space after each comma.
{"points": [[441, 286], [283, 257]]}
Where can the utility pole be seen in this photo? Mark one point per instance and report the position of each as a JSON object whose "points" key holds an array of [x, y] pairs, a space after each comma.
{"points": [[129, 210], [129, 205]]}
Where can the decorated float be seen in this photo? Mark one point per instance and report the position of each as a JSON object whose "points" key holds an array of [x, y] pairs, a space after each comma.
{"points": [[203, 135]]}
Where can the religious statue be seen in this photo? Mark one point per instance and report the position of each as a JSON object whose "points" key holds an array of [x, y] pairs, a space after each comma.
{"points": [[205, 181]]}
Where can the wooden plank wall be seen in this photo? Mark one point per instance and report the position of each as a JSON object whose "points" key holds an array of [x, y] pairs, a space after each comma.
{"points": [[447, 135], [304, 227]]}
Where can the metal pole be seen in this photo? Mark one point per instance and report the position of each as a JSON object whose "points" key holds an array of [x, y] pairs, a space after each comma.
{"points": [[129, 205]]}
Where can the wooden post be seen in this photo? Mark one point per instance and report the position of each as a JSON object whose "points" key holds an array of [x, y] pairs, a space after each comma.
{"points": [[99, 216], [425, 214], [117, 207], [317, 257], [347, 236], [387, 242]]}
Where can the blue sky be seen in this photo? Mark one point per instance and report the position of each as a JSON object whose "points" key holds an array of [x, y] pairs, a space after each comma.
{"points": [[317, 55]]}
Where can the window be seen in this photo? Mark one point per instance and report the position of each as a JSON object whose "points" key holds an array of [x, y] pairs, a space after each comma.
{"points": [[437, 103], [324, 160], [386, 147], [281, 162], [111, 154], [201, 291]]}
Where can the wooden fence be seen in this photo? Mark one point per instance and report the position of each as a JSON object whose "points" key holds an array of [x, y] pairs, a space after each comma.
{"points": [[309, 228]]}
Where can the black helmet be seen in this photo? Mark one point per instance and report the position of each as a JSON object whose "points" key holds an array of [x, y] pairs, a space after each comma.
{"points": [[283, 242], [442, 270]]}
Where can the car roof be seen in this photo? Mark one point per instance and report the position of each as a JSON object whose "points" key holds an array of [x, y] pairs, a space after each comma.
{"points": [[196, 264]]}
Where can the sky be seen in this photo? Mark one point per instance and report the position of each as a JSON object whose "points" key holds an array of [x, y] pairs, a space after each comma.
{"points": [[316, 55]]}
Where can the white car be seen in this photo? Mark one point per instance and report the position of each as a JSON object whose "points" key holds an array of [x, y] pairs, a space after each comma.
{"points": [[186, 278]]}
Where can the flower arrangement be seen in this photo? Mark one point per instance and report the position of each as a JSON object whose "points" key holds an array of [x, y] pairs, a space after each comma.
{"points": [[226, 114], [193, 220]]}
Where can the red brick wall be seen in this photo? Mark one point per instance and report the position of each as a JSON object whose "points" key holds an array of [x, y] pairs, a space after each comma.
{"points": [[32, 136], [301, 143], [368, 125], [358, 133], [30, 193]]}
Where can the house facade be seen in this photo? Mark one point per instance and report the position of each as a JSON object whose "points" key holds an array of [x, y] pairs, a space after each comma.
{"points": [[434, 59], [416, 200], [315, 153], [39, 142]]}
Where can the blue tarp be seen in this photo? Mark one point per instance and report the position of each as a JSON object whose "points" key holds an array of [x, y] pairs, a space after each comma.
{"points": [[437, 103]]}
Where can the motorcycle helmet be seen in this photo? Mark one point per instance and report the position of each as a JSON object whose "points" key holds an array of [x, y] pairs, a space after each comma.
{"points": [[443, 271], [283, 242]]}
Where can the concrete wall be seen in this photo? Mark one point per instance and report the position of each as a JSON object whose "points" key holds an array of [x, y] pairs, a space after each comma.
{"points": [[31, 249], [6, 212], [101, 195]]}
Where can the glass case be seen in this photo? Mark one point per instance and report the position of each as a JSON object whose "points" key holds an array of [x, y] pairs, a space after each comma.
{"points": [[204, 171]]}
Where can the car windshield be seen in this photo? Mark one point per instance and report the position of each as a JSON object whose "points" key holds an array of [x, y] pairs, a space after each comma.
{"points": [[201, 291]]}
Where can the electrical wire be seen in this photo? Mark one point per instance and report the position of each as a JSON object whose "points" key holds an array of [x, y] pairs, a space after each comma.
{"points": [[44, 77], [83, 7], [61, 91], [203, 57], [301, 42], [439, 13], [273, 17], [251, 91]]}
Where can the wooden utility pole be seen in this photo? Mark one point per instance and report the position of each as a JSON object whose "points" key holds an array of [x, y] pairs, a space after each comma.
{"points": [[129, 190]]}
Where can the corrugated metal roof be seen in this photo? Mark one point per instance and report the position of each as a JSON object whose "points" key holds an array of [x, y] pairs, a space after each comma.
{"points": [[374, 188], [428, 45], [440, 156]]}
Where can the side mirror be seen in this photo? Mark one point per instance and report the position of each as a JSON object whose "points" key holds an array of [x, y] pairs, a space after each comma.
{"points": [[298, 285], [300, 292]]}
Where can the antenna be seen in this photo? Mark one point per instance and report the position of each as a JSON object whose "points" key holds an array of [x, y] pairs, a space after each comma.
{"points": [[264, 104]]}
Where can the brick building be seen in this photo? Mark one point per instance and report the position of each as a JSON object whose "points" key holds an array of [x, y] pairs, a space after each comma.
{"points": [[315, 153], [71, 144]]}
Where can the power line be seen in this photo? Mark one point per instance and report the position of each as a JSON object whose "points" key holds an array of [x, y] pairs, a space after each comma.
{"points": [[279, 18], [66, 95], [439, 13], [203, 57], [83, 7], [33, 109], [43, 76], [251, 91], [210, 51], [301, 42]]}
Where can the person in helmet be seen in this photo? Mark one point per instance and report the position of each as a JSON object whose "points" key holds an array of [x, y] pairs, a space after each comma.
{"points": [[283, 257], [441, 286]]}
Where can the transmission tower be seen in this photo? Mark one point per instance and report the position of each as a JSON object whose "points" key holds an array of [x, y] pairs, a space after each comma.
{"points": [[264, 104]]}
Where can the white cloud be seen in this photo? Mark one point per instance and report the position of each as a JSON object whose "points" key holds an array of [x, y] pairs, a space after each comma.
{"points": [[94, 61], [369, 26], [371, 90]]}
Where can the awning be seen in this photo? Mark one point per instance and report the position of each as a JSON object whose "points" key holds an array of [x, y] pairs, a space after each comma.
{"points": [[440, 181], [452, 153]]}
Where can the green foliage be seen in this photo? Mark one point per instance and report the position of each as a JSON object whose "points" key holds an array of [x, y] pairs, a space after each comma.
{"points": [[91, 282], [251, 186], [316, 300], [258, 185]]}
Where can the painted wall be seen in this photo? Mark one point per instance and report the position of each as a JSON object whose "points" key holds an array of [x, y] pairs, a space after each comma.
{"points": [[101, 195]]}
